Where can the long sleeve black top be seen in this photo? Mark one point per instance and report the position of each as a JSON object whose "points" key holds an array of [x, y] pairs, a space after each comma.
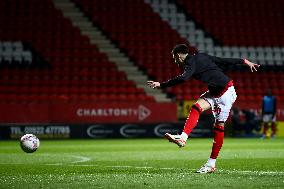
{"points": [[206, 68]]}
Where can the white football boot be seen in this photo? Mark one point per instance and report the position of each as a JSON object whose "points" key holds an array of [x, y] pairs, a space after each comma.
{"points": [[206, 168], [177, 139]]}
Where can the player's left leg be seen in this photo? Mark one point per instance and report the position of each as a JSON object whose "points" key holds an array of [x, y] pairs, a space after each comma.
{"points": [[221, 111], [218, 135]]}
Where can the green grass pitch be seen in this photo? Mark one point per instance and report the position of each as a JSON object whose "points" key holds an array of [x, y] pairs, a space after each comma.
{"points": [[142, 163]]}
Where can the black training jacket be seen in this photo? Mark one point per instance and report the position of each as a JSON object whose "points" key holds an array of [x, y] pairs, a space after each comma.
{"points": [[206, 68]]}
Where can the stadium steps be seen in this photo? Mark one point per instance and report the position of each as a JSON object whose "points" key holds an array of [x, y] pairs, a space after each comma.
{"points": [[96, 37], [169, 13]]}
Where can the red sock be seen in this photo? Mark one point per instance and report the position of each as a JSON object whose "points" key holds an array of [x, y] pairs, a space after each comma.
{"points": [[273, 129], [218, 132], [192, 118], [265, 128]]}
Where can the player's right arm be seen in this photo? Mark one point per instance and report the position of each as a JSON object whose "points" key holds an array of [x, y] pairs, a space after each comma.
{"points": [[188, 72]]}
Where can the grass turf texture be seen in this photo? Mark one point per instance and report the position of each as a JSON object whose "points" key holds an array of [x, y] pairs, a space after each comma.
{"points": [[146, 163]]}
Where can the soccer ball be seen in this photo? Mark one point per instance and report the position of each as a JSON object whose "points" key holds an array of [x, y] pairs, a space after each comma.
{"points": [[29, 143]]}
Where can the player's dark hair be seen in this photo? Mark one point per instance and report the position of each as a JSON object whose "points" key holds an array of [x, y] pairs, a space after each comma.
{"points": [[184, 49], [180, 48]]}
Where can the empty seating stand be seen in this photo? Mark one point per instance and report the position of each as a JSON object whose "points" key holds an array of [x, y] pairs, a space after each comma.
{"points": [[240, 23], [77, 71]]}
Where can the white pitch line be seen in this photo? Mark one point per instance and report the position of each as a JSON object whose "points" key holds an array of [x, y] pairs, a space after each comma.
{"points": [[119, 166], [254, 172], [12, 163], [171, 168], [82, 159], [54, 164], [85, 159], [128, 166]]}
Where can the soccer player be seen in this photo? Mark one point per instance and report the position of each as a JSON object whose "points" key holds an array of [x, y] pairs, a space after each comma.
{"points": [[220, 95], [269, 114]]}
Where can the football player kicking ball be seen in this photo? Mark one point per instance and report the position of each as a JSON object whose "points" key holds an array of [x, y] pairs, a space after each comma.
{"points": [[220, 95]]}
